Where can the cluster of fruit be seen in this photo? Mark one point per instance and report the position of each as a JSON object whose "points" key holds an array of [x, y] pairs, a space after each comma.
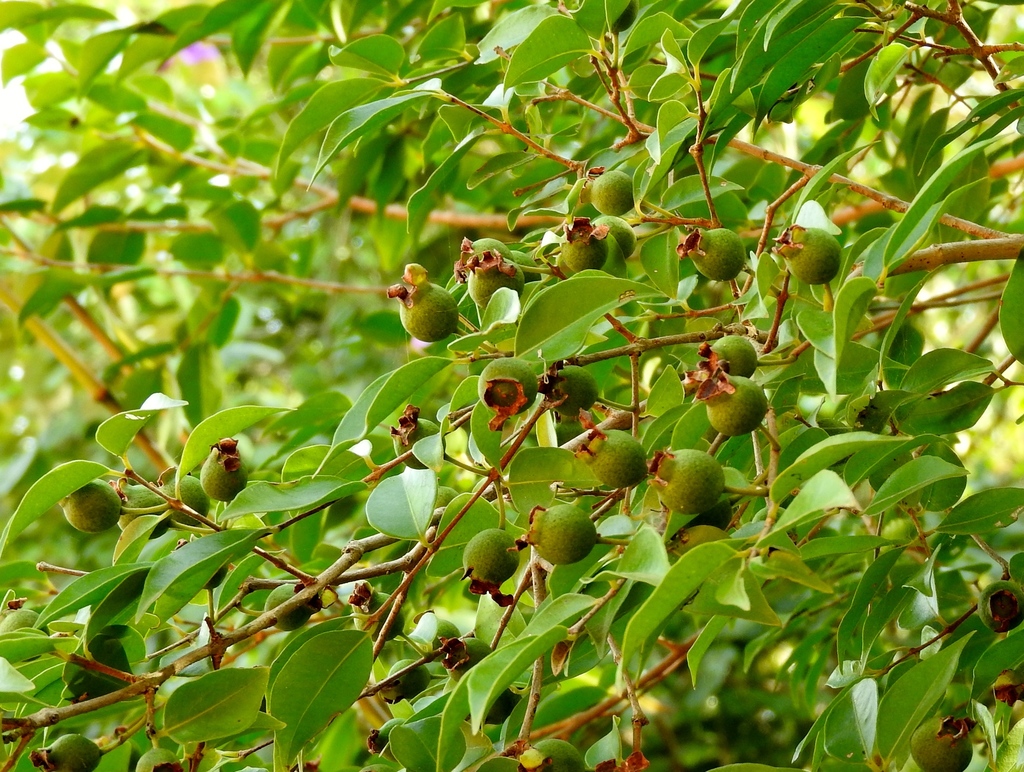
{"points": [[77, 753], [97, 506]]}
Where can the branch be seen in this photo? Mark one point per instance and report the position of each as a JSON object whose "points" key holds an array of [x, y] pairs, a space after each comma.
{"points": [[937, 255]]}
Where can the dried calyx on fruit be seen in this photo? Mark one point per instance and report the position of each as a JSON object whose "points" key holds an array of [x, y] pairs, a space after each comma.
{"points": [[1009, 686], [616, 458], [428, 312], [1001, 606], [487, 265], [585, 247], [411, 429], [460, 654], [570, 389], [561, 534], [508, 386], [943, 744], [223, 475], [813, 254], [735, 405], [93, 508], [718, 253], [68, 753], [158, 760], [366, 601], [489, 559], [621, 233], [611, 192], [407, 685], [552, 756], [688, 481], [736, 355]]}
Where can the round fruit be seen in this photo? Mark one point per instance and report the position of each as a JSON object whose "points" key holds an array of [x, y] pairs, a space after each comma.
{"points": [[446, 630], [718, 253], [559, 756], [719, 516], [159, 760], [428, 312], [474, 650], [445, 496], [297, 617], [485, 282], [1001, 606], [617, 459], [693, 481], [424, 427], [585, 247], [567, 429], [495, 247], [223, 475], [507, 386], [575, 389], [562, 534], [740, 412], [69, 753], [21, 619], [814, 255], [685, 539], [397, 628], [620, 231], [191, 494], [491, 556], [524, 259], [627, 17], [379, 738], [409, 685], [942, 745], [612, 193], [502, 707], [738, 352], [93, 508], [138, 501]]}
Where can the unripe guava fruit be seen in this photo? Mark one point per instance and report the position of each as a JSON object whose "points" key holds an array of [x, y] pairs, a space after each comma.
{"points": [[942, 745], [93, 508], [428, 311], [740, 412], [620, 231], [223, 475], [491, 556], [562, 534], [617, 459], [692, 481], [1001, 606], [717, 253], [814, 255], [738, 352], [612, 193]]}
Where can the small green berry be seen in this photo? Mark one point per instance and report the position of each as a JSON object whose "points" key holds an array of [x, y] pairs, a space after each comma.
{"points": [[942, 745], [738, 352], [740, 412], [491, 557], [562, 534], [428, 312], [20, 619], [93, 508], [690, 481], [620, 231], [223, 475], [616, 458], [612, 193], [159, 760], [69, 753], [574, 389], [585, 247], [297, 617], [718, 253], [814, 255], [1001, 606]]}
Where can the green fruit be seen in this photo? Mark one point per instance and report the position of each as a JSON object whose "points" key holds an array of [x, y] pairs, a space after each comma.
{"points": [[297, 617], [814, 255], [93, 508], [692, 481], [446, 630], [718, 253], [719, 516], [159, 760], [473, 650], [738, 352], [559, 756], [1001, 606], [190, 492], [508, 386], [522, 258], [617, 459], [491, 557], [740, 412], [942, 745], [495, 247], [620, 231], [379, 738], [445, 496], [567, 429], [138, 501], [428, 312], [583, 248], [612, 193], [409, 685], [685, 539], [562, 534], [223, 475], [403, 440], [502, 707], [397, 627], [69, 753], [21, 619], [485, 282], [626, 18], [575, 389]]}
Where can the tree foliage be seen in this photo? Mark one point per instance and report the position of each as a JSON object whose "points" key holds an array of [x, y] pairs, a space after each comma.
{"points": [[216, 220]]}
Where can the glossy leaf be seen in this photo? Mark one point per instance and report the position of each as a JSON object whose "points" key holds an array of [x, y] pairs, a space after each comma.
{"points": [[218, 704]]}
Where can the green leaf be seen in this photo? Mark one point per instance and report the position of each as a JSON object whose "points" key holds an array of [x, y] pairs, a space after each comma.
{"points": [[557, 319], [823, 455], [226, 423], [11, 681], [882, 71], [916, 474], [533, 470], [109, 160], [46, 491], [218, 704], [682, 580], [943, 366], [238, 225], [643, 560], [851, 303], [984, 511], [380, 54], [852, 723], [825, 490], [554, 43], [87, 590], [321, 680], [402, 506], [175, 579], [290, 496], [1011, 311], [912, 699], [954, 410], [511, 30], [97, 52], [385, 395], [117, 433]]}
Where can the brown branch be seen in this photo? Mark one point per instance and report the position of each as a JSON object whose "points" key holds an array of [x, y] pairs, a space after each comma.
{"points": [[960, 252]]}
